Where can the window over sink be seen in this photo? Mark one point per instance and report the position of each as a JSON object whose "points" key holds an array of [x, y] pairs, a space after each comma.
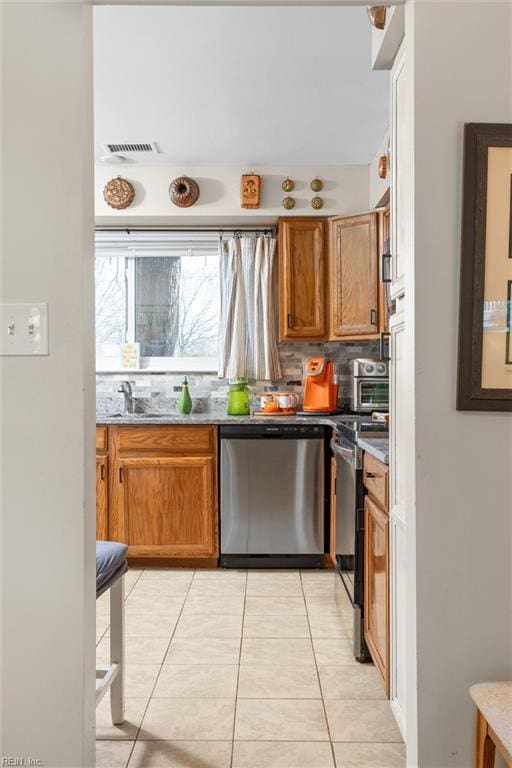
{"points": [[160, 289]]}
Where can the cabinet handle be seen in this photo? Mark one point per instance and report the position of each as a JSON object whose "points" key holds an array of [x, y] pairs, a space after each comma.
{"points": [[102, 472], [121, 475], [385, 270], [371, 474], [373, 316], [382, 346], [289, 320]]}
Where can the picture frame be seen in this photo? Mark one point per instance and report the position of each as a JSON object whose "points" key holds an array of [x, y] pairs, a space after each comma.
{"points": [[485, 311]]}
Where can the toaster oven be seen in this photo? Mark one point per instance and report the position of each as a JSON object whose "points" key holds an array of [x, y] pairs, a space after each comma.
{"points": [[369, 386]]}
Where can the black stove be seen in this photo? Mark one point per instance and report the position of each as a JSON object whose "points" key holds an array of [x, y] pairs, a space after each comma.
{"points": [[352, 427]]}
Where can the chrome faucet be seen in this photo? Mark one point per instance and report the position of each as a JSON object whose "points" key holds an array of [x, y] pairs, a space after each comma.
{"points": [[125, 388]]}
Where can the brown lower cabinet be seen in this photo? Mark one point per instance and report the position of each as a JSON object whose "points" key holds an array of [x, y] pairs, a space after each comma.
{"points": [[163, 491], [101, 484], [376, 576]]}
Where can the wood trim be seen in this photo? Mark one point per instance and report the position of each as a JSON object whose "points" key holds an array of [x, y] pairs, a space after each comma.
{"points": [[172, 562], [382, 519], [101, 439], [375, 480], [478, 138]]}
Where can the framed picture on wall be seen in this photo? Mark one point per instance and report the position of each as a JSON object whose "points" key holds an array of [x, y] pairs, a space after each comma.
{"points": [[485, 324]]}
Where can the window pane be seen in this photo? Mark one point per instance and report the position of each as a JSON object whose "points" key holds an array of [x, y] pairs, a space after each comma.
{"points": [[157, 295], [170, 304], [110, 305], [198, 324]]}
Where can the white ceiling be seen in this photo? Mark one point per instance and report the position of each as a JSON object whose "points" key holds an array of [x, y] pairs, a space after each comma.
{"points": [[228, 85]]}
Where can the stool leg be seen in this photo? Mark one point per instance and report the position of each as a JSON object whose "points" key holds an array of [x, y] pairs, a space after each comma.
{"points": [[485, 748], [117, 649]]}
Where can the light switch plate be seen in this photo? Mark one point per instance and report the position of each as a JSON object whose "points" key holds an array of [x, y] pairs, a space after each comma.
{"points": [[23, 329]]}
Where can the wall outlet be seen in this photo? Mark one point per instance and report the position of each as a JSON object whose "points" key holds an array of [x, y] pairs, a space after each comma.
{"points": [[23, 329]]}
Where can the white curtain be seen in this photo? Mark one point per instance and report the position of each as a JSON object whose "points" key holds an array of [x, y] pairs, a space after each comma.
{"points": [[248, 333]]}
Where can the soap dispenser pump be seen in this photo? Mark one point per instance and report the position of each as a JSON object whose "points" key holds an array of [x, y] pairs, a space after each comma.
{"points": [[184, 401]]}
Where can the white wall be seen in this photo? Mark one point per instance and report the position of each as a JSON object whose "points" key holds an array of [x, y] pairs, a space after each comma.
{"points": [[346, 190], [239, 85], [47, 404], [462, 72]]}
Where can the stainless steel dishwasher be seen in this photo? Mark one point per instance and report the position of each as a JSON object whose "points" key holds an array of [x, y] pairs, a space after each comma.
{"points": [[272, 495]]}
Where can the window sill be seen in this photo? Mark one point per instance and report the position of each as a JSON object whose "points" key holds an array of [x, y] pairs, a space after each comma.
{"points": [[181, 365]]}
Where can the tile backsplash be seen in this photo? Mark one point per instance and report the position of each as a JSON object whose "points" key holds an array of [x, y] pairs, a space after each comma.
{"points": [[158, 392]]}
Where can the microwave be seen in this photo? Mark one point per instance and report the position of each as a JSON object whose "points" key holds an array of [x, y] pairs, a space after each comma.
{"points": [[369, 385]]}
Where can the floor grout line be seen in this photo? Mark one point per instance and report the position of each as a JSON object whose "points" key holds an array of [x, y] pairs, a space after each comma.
{"points": [[304, 593], [318, 677], [238, 673], [159, 672]]}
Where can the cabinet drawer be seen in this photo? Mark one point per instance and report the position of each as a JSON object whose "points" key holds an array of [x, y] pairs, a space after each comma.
{"points": [[375, 479], [101, 439], [164, 439]]}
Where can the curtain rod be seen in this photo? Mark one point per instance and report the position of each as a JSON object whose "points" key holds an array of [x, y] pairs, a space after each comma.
{"points": [[219, 230]]}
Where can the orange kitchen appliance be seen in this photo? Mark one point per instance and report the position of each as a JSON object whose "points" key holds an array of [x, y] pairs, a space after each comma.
{"points": [[320, 386]]}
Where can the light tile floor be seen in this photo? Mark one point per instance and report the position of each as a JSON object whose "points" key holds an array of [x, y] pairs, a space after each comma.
{"points": [[237, 669]]}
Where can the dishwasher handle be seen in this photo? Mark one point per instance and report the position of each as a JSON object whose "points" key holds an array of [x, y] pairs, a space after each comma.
{"points": [[351, 453]]}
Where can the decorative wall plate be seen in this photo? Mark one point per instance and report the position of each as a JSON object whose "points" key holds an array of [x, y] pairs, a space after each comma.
{"points": [[288, 185], [184, 192], [118, 193], [288, 203], [316, 185], [317, 203], [250, 191], [383, 166]]}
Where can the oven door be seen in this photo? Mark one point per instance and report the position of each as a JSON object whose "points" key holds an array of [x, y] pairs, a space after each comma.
{"points": [[350, 519], [372, 395]]}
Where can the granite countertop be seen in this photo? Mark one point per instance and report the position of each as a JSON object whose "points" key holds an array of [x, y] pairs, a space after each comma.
{"points": [[376, 446], [212, 418]]}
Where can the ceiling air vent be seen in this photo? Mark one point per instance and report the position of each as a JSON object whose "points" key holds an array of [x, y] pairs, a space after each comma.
{"points": [[115, 149]]}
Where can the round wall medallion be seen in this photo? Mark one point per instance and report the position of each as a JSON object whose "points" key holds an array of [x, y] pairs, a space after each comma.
{"points": [[288, 203], [383, 166], [288, 185], [118, 193], [316, 185], [317, 203], [184, 192]]}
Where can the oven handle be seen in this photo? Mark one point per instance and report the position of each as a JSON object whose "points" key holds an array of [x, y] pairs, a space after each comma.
{"points": [[349, 454]]}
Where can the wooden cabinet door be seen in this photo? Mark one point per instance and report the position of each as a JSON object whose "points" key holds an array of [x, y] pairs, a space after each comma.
{"points": [[101, 498], [165, 506], [302, 289], [354, 276], [376, 587]]}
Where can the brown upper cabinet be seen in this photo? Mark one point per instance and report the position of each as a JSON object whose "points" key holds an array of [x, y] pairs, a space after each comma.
{"points": [[353, 276], [329, 278], [302, 279]]}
